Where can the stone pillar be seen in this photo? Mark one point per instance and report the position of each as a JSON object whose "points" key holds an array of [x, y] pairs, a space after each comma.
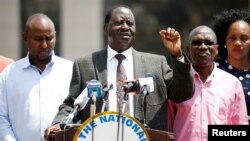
{"points": [[81, 27], [10, 36]]}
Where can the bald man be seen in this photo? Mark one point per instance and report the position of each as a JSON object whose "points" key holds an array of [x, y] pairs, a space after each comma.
{"points": [[32, 88], [218, 97]]}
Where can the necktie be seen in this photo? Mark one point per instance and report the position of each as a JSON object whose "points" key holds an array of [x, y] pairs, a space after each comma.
{"points": [[120, 78]]}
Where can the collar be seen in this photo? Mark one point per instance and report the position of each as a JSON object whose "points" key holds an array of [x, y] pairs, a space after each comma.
{"points": [[127, 53], [26, 61], [210, 77]]}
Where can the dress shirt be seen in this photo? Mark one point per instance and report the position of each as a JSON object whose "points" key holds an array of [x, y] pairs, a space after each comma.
{"points": [[242, 75], [29, 100], [112, 63], [4, 61], [220, 100]]}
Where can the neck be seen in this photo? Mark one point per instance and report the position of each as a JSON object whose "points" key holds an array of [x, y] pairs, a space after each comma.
{"points": [[40, 64], [204, 72], [241, 64]]}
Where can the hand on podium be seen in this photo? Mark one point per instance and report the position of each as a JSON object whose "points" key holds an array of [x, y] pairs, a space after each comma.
{"points": [[51, 131]]}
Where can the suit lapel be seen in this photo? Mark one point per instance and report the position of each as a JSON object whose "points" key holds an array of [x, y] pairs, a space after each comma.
{"points": [[139, 62], [100, 65]]}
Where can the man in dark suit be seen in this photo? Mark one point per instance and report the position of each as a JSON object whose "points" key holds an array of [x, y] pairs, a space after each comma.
{"points": [[176, 84]]}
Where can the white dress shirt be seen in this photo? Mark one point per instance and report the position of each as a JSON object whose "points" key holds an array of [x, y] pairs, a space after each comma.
{"points": [[112, 63], [30, 100]]}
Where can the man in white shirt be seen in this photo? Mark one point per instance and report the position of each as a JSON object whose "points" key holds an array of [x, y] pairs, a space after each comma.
{"points": [[32, 88]]}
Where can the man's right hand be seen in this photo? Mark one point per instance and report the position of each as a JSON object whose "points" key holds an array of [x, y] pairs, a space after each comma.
{"points": [[51, 130], [172, 41]]}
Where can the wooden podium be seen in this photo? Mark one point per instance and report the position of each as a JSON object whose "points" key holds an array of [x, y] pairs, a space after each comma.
{"points": [[68, 134]]}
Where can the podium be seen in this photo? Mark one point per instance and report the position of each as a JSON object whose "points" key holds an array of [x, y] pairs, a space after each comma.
{"points": [[68, 134]]}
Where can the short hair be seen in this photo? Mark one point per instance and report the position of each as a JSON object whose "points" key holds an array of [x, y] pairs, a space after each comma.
{"points": [[221, 23], [109, 13], [201, 27], [36, 16]]}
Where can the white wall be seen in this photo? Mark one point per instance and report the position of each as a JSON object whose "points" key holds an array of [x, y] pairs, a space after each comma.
{"points": [[81, 27], [10, 37]]}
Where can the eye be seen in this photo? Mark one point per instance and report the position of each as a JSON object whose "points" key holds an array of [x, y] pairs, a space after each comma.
{"points": [[116, 23], [199, 42], [231, 38], [49, 38], [196, 43], [129, 23], [244, 38], [209, 43], [37, 38]]}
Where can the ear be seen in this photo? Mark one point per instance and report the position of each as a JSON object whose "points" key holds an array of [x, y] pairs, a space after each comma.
{"points": [[55, 35], [105, 29], [24, 37], [188, 47], [217, 49], [188, 52]]}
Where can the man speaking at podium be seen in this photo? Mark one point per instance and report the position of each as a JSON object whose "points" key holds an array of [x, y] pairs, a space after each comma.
{"points": [[120, 29]]}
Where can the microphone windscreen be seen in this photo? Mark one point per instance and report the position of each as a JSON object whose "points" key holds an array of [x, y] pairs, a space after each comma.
{"points": [[82, 100], [94, 87], [149, 81], [131, 87]]}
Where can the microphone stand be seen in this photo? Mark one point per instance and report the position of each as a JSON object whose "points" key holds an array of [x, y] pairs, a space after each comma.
{"points": [[144, 91], [93, 108], [93, 105], [106, 96], [124, 101], [65, 125], [69, 118], [105, 101]]}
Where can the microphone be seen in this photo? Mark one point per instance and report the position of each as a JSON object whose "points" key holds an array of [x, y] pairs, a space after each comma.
{"points": [[131, 86], [138, 86], [80, 102], [94, 89], [86, 94], [94, 92], [106, 91], [148, 83], [106, 95]]}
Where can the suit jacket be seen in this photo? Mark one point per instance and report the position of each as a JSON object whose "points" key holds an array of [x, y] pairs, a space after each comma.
{"points": [[176, 84]]}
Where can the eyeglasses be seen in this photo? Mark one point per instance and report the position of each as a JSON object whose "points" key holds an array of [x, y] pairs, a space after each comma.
{"points": [[200, 42]]}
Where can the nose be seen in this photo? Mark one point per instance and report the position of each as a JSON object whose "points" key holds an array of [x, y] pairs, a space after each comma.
{"points": [[203, 46], [124, 25], [44, 44], [237, 43]]}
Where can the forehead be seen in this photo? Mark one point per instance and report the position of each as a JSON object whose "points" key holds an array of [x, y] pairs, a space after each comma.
{"points": [[203, 34], [122, 12], [41, 24], [240, 26]]}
